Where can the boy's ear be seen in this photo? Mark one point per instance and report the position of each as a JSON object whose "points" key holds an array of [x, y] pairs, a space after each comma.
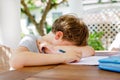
{"points": [[58, 35]]}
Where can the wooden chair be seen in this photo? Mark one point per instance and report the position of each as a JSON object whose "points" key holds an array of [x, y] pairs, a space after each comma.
{"points": [[5, 53]]}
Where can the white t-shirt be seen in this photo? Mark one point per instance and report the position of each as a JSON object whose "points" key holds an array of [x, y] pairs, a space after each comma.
{"points": [[115, 43], [29, 42]]}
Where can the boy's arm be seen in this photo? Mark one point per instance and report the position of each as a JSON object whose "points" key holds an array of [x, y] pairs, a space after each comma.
{"points": [[23, 57], [85, 50]]}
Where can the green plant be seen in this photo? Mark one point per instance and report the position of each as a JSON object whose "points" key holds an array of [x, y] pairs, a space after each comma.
{"points": [[48, 28], [95, 40]]}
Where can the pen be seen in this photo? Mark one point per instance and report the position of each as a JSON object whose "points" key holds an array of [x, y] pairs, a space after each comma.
{"points": [[62, 51]]}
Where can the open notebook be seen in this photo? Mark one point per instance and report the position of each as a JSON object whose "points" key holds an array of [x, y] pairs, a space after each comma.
{"points": [[92, 60]]}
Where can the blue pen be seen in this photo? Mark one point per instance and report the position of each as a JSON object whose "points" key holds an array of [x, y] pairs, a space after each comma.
{"points": [[62, 51]]}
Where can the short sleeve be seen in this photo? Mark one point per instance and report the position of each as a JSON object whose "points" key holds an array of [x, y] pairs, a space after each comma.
{"points": [[29, 42]]}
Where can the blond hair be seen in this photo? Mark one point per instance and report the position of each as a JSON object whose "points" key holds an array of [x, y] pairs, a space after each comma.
{"points": [[73, 28]]}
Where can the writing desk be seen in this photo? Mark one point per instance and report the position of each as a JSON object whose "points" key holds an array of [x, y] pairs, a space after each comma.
{"points": [[59, 72]]}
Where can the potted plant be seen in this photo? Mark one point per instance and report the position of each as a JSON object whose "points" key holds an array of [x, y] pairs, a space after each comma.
{"points": [[95, 40]]}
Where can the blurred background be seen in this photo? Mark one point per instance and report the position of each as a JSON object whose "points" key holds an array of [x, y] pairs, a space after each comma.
{"points": [[21, 17]]}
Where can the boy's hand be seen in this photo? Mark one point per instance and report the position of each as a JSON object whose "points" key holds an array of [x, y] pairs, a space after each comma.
{"points": [[72, 56]]}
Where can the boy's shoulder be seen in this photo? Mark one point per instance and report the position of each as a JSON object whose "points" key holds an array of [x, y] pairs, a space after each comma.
{"points": [[29, 41], [31, 36]]}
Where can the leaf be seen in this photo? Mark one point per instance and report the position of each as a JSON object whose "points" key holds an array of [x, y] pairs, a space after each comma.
{"points": [[54, 1], [94, 40], [43, 1]]}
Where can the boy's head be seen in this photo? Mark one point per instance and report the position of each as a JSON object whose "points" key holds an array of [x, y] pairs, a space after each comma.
{"points": [[73, 29]]}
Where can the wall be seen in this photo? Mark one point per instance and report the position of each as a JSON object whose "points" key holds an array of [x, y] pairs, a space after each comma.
{"points": [[0, 26], [76, 7], [10, 22]]}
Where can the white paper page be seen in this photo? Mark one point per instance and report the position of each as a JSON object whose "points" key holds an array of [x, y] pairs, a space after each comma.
{"points": [[92, 60]]}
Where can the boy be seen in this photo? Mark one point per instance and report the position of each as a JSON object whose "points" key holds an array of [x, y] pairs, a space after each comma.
{"points": [[67, 42]]}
